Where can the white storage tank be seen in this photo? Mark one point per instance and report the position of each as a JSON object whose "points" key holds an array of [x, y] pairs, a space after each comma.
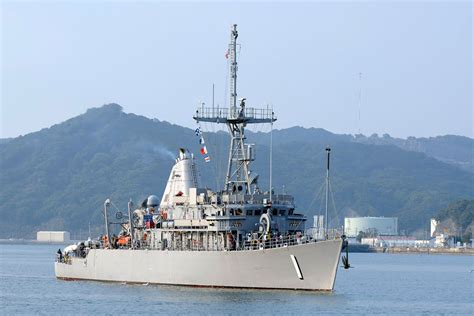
{"points": [[53, 236], [380, 225]]}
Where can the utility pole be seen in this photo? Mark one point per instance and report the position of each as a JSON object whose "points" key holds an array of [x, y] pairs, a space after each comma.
{"points": [[359, 101]]}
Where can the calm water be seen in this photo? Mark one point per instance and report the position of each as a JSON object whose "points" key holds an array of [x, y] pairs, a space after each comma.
{"points": [[379, 284]]}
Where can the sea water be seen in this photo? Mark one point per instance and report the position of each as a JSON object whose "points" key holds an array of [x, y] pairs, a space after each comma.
{"points": [[378, 284]]}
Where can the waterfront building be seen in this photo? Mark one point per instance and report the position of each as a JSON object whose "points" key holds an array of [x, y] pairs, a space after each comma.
{"points": [[395, 241], [53, 236], [387, 226]]}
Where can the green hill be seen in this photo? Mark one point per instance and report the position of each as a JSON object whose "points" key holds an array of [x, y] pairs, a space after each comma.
{"points": [[58, 178], [461, 214]]}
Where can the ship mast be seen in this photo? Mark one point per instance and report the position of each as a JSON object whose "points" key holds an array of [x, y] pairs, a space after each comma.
{"points": [[233, 68], [238, 179], [328, 151]]}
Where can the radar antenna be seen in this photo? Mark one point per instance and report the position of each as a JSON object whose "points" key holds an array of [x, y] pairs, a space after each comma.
{"points": [[238, 178]]}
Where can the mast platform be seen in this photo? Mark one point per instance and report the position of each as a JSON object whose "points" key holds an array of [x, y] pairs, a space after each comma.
{"points": [[226, 115]]}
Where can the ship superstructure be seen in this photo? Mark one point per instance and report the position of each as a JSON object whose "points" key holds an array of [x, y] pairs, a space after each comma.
{"points": [[235, 237]]}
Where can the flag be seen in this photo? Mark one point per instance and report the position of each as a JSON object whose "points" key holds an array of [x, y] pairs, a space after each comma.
{"points": [[227, 54], [198, 132]]}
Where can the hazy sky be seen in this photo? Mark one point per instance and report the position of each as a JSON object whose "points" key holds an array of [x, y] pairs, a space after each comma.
{"points": [[59, 58]]}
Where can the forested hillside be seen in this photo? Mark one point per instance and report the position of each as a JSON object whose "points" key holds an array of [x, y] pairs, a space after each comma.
{"points": [[458, 217], [452, 149], [59, 177]]}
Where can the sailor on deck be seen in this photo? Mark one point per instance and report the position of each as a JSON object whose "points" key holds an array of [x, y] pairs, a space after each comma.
{"points": [[242, 106]]}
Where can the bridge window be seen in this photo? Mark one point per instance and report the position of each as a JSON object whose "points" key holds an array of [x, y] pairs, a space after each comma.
{"points": [[282, 212], [249, 212], [258, 212]]}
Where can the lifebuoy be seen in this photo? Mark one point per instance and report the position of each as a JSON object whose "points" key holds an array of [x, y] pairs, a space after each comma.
{"points": [[266, 222]]}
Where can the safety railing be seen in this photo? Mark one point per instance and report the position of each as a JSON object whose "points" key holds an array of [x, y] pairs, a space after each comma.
{"points": [[216, 243], [216, 114], [250, 243], [276, 242]]}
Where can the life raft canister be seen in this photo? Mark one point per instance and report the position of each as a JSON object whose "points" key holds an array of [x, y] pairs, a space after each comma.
{"points": [[123, 241]]}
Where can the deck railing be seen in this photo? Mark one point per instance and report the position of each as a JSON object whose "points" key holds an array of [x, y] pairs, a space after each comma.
{"points": [[249, 243], [253, 242], [225, 113]]}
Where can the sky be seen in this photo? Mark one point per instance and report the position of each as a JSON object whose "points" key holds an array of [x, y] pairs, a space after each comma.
{"points": [[160, 59]]}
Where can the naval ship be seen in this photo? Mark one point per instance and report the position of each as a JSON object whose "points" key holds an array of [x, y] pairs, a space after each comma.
{"points": [[236, 237]]}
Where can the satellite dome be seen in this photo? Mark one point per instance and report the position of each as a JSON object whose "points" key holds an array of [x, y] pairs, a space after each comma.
{"points": [[153, 200]]}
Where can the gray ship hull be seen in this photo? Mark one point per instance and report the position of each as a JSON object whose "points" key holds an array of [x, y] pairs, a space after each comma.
{"points": [[275, 268]]}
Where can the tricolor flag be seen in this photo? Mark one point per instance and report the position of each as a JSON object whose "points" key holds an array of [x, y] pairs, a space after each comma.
{"points": [[207, 158], [204, 150], [201, 140]]}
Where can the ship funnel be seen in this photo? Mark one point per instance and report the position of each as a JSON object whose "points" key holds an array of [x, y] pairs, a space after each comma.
{"points": [[183, 176]]}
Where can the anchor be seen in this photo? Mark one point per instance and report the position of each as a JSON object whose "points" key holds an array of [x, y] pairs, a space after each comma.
{"points": [[345, 259]]}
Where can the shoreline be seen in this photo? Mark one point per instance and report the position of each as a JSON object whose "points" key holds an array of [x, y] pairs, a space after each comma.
{"points": [[358, 248], [428, 251], [34, 242]]}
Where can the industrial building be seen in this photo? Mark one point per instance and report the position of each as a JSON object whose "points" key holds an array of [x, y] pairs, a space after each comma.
{"points": [[387, 226], [395, 241], [53, 236]]}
